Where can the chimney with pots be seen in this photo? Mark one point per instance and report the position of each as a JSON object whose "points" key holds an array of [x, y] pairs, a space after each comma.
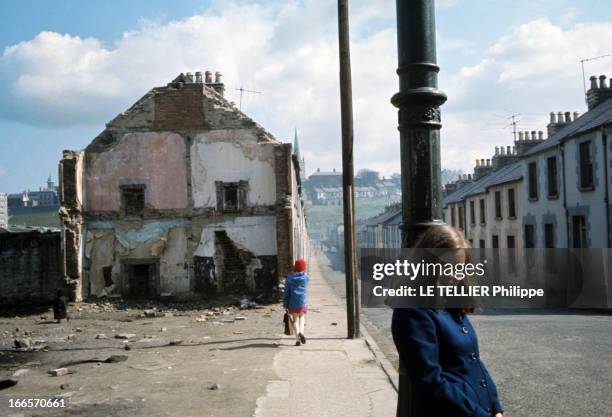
{"points": [[598, 93]]}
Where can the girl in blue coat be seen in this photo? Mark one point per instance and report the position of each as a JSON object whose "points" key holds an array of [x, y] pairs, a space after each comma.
{"points": [[295, 299], [439, 353]]}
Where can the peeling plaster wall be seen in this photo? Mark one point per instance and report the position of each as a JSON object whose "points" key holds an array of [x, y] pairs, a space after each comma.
{"points": [[231, 156], [154, 159], [108, 244], [255, 234]]}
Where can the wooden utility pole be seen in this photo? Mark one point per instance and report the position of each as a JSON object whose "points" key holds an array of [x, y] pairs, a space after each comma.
{"points": [[419, 102], [348, 178]]}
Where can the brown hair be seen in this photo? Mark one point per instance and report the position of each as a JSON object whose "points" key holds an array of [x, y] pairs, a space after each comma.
{"points": [[446, 237]]}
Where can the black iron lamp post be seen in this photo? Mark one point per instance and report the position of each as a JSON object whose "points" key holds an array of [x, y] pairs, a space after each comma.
{"points": [[419, 102]]}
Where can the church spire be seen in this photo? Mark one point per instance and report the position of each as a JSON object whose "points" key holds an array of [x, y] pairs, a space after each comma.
{"points": [[296, 144]]}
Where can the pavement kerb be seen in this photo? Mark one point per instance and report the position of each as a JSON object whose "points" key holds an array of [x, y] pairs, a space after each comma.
{"points": [[384, 363]]}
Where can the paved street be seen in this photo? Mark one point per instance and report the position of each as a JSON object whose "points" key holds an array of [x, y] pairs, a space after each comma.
{"points": [[553, 364]]}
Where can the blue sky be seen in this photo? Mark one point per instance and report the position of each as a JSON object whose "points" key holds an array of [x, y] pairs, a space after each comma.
{"points": [[67, 67]]}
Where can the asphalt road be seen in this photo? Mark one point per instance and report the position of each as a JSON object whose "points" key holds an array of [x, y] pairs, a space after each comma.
{"points": [[545, 363]]}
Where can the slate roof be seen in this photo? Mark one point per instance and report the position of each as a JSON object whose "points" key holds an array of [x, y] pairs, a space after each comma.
{"points": [[592, 119], [509, 173]]}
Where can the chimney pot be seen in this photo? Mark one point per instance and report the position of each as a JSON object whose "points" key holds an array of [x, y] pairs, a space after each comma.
{"points": [[553, 118], [593, 82], [208, 77], [482, 162], [218, 76], [576, 114], [514, 152], [501, 150], [540, 135], [497, 150], [488, 162], [198, 77], [469, 177], [559, 117], [521, 134], [189, 77], [509, 150], [477, 163], [534, 135], [603, 81], [568, 117]]}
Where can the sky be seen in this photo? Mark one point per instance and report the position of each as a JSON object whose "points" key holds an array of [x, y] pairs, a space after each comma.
{"points": [[68, 67]]}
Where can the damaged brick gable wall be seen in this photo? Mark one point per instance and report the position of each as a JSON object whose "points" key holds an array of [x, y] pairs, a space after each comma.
{"points": [[141, 148], [30, 267], [71, 197]]}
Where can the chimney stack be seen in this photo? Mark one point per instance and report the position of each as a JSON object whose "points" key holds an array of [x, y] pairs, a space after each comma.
{"points": [[598, 92], [603, 81]]}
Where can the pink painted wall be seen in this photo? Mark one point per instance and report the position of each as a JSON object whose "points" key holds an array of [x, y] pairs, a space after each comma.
{"points": [[156, 159]]}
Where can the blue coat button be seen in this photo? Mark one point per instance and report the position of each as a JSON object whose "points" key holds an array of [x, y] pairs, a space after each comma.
{"points": [[473, 356], [464, 330], [483, 383]]}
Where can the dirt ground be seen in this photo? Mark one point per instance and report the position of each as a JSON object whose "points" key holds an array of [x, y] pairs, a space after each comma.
{"points": [[182, 360]]}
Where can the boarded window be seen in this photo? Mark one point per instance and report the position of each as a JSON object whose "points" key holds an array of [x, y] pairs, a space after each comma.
{"points": [[553, 189], [133, 197], [586, 165]]}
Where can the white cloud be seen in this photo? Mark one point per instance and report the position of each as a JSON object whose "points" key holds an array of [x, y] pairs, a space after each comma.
{"points": [[289, 52]]}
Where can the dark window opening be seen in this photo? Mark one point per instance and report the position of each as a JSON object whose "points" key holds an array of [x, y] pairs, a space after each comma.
{"points": [[549, 235], [529, 236], [579, 232], [133, 197], [553, 189], [107, 272], [481, 243], [482, 211], [230, 197], [511, 204], [472, 214], [460, 217], [511, 242], [533, 181], [586, 165], [453, 223], [495, 242], [498, 210]]}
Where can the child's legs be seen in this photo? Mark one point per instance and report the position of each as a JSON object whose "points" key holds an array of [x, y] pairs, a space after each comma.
{"points": [[295, 320], [302, 323]]}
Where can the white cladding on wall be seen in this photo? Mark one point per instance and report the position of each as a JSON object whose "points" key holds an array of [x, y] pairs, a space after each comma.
{"points": [[232, 156], [256, 234]]}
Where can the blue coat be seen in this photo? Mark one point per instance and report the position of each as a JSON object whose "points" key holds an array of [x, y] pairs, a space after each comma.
{"points": [[439, 353], [295, 295]]}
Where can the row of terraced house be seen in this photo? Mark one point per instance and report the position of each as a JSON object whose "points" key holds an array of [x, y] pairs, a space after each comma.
{"points": [[543, 192]]}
